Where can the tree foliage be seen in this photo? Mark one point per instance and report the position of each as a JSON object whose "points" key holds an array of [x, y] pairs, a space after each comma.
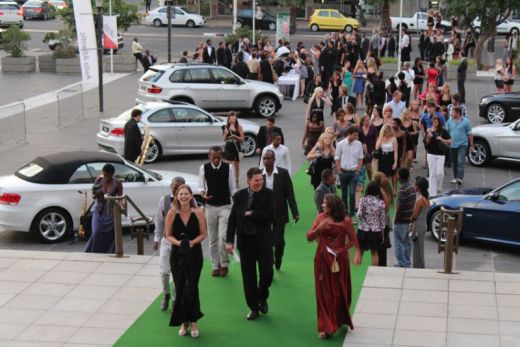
{"points": [[13, 41]]}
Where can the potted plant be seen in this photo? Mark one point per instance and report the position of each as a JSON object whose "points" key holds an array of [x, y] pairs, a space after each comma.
{"points": [[13, 42], [47, 62], [65, 53]]}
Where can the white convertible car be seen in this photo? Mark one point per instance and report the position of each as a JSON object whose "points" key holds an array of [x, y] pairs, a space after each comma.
{"points": [[42, 197]]}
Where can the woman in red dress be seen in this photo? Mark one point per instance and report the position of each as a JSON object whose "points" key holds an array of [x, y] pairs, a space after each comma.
{"points": [[335, 235]]}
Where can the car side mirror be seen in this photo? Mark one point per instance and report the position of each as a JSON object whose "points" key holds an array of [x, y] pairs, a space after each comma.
{"points": [[140, 178], [494, 196], [238, 81]]}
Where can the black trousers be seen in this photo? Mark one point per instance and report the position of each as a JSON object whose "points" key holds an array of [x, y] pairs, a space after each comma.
{"points": [[279, 241], [462, 90], [255, 290]]}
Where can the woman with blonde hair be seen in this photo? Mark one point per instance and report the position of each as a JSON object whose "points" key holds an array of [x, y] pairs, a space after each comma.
{"points": [[499, 76], [321, 157], [412, 130], [317, 103], [372, 66], [387, 151], [445, 97], [359, 75]]}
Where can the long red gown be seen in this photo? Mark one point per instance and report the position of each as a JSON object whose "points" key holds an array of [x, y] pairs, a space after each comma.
{"points": [[333, 290]]}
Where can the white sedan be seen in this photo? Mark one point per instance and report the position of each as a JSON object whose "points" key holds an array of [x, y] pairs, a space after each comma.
{"points": [[506, 27], [42, 197], [180, 16]]}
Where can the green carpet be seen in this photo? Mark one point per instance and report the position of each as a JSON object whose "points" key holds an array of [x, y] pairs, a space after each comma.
{"points": [[292, 319]]}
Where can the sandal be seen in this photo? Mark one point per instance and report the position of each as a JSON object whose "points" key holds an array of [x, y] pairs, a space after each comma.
{"points": [[194, 332], [182, 330], [323, 336]]}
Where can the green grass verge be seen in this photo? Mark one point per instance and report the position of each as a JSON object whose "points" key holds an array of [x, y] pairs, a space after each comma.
{"points": [[292, 318]]}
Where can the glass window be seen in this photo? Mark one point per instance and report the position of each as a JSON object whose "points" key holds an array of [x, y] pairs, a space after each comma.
{"points": [[323, 13], [197, 76], [190, 115], [335, 14], [510, 193], [124, 173], [176, 76], [179, 11], [163, 10], [81, 176], [223, 76], [161, 116]]}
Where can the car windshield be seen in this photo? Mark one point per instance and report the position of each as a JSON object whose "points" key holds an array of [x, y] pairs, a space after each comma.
{"points": [[154, 174], [152, 75]]}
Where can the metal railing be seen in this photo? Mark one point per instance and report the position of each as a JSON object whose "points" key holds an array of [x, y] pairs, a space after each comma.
{"points": [[13, 124], [70, 105]]}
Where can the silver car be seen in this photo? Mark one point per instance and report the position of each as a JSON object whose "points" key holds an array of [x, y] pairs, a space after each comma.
{"points": [[177, 127], [210, 87], [495, 141]]}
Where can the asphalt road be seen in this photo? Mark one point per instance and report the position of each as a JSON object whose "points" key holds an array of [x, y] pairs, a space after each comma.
{"points": [[119, 96]]}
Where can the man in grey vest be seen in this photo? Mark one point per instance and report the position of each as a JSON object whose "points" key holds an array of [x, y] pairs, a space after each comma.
{"points": [[165, 203], [217, 185]]}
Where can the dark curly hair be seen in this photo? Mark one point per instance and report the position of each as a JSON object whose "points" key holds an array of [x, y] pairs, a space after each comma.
{"points": [[336, 207]]}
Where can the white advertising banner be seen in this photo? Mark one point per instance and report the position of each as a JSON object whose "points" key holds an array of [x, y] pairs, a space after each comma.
{"points": [[87, 46], [110, 32]]}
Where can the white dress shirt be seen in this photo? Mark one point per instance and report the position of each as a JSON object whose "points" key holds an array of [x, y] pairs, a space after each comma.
{"points": [[231, 178], [405, 41], [349, 154], [282, 157], [269, 180], [397, 108]]}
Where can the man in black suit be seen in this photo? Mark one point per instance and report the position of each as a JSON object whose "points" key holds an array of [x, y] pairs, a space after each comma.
{"points": [[265, 134], [240, 68], [461, 77], [133, 137], [279, 181], [251, 220], [209, 56], [344, 98], [221, 54], [148, 60], [229, 55]]}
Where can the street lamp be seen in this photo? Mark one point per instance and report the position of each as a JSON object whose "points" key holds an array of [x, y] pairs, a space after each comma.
{"points": [[99, 6]]}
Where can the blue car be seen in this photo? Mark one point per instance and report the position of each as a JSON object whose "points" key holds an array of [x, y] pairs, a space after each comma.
{"points": [[490, 215]]}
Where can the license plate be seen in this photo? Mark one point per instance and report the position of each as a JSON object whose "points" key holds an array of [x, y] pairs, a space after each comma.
{"points": [[105, 129]]}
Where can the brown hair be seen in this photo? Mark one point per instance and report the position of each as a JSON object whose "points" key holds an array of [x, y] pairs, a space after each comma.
{"points": [[188, 188], [336, 207], [384, 184]]}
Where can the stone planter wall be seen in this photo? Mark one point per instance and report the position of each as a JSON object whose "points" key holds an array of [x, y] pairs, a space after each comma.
{"points": [[68, 66], [46, 63], [18, 65], [122, 63]]}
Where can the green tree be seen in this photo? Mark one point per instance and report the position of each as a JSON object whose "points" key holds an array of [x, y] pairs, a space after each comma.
{"points": [[386, 23], [490, 12], [13, 41]]}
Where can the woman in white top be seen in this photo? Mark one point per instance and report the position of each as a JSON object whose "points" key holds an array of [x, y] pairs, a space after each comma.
{"points": [[499, 76]]}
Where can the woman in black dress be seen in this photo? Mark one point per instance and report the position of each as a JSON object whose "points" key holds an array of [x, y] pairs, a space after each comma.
{"points": [[234, 136], [387, 151], [321, 158], [186, 229], [335, 83], [418, 80]]}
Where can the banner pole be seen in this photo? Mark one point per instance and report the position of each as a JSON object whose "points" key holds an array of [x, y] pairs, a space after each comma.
{"points": [[111, 49]]}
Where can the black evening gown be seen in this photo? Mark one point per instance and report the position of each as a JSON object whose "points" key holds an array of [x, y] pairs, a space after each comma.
{"points": [[186, 265]]}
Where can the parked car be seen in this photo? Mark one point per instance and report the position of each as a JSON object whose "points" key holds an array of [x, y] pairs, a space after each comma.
{"points": [[59, 4], [417, 22], [42, 197], [500, 108], [210, 87], [493, 141], [10, 14], [263, 20], [38, 10], [329, 19], [506, 27], [490, 215], [180, 16], [177, 127]]}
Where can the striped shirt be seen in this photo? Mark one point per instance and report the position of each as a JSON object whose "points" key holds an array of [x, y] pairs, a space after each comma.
{"points": [[405, 203]]}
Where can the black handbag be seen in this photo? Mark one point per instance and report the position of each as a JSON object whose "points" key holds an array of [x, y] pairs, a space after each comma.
{"points": [[376, 154], [85, 222]]}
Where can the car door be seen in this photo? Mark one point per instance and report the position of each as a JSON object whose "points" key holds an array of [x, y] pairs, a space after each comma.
{"points": [[423, 18], [246, 15], [512, 101], [232, 91], [509, 141], [497, 216], [324, 19], [197, 131], [162, 127], [200, 85], [162, 14], [337, 21], [179, 16]]}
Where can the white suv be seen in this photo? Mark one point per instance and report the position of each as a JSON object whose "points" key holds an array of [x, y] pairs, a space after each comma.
{"points": [[211, 87], [10, 14]]}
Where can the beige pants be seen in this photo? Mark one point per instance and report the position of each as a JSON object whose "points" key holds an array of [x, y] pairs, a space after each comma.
{"points": [[217, 221]]}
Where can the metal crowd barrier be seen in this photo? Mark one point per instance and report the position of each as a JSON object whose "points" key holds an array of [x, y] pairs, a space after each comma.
{"points": [[13, 124], [70, 105]]}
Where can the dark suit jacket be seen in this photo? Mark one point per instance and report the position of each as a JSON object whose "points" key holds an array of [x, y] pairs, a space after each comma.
{"points": [[283, 192], [461, 70], [262, 136], [133, 140], [260, 221], [221, 56], [145, 61], [339, 102], [209, 58], [241, 69], [183, 60]]}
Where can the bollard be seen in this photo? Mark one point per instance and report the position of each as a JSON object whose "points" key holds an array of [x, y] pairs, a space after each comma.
{"points": [[448, 251], [451, 225], [118, 229]]}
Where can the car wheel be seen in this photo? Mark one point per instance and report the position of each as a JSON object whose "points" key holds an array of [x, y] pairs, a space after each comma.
{"points": [[348, 28], [266, 106], [249, 145], [157, 23], [315, 27], [190, 24], [434, 225], [52, 225], [154, 152], [272, 26], [496, 113], [514, 31], [480, 155]]}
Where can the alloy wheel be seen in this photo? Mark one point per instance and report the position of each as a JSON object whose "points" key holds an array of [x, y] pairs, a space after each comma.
{"points": [[248, 146], [496, 114], [153, 153], [479, 155], [267, 107], [52, 226], [436, 226]]}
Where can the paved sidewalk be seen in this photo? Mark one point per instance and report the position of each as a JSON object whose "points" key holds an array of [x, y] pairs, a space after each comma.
{"points": [[72, 299], [418, 307]]}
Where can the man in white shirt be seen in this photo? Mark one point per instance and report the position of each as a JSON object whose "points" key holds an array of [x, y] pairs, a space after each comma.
{"points": [[217, 186], [405, 46], [396, 104], [283, 158], [349, 159]]}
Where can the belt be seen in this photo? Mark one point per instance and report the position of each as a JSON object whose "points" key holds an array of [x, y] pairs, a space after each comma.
{"points": [[349, 171]]}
